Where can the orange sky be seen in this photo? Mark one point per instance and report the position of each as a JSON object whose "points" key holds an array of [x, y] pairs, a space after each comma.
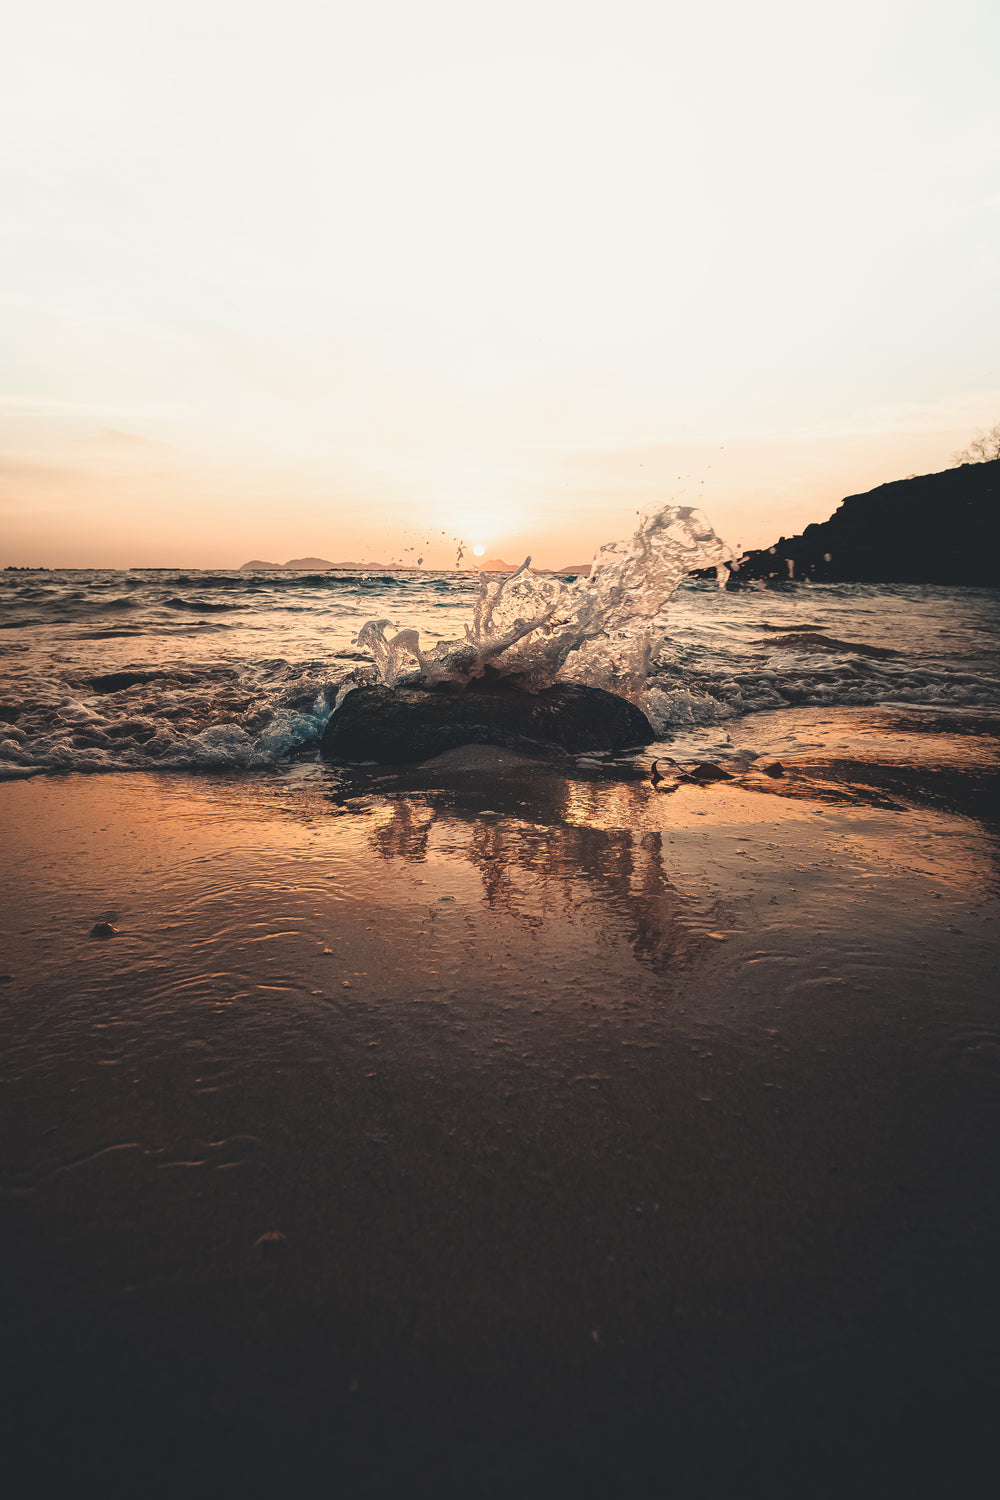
{"points": [[344, 281]]}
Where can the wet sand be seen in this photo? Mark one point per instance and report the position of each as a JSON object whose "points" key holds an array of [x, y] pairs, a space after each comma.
{"points": [[484, 1129]]}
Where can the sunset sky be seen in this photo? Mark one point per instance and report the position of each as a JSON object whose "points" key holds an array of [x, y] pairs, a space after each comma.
{"points": [[346, 279]]}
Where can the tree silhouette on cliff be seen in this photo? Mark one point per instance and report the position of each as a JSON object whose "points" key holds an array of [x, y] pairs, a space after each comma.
{"points": [[984, 448]]}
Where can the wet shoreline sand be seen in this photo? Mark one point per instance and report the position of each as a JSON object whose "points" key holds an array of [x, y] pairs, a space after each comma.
{"points": [[618, 1140]]}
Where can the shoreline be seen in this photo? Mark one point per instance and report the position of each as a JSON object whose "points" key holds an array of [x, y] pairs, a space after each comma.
{"points": [[619, 1139]]}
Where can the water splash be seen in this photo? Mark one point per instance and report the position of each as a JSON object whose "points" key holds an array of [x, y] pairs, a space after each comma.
{"points": [[537, 629]]}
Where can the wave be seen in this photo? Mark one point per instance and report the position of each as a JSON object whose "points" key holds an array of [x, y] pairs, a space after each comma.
{"points": [[229, 722], [599, 629], [683, 700], [213, 718], [252, 715], [201, 606]]}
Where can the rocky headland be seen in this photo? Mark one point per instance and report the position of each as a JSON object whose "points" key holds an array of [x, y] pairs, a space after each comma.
{"points": [[932, 528]]}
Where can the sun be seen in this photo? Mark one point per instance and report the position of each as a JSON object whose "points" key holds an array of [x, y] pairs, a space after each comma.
{"points": [[478, 549]]}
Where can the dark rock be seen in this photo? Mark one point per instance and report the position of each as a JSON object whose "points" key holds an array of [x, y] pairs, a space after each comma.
{"points": [[116, 682], [271, 1242], [705, 772], [666, 775], [103, 930], [932, 528], [770, 767], [399, 725]]}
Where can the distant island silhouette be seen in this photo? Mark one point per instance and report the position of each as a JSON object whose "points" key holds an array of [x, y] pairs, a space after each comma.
{"points": [[931, 528], [316, 565], [323, 565]]}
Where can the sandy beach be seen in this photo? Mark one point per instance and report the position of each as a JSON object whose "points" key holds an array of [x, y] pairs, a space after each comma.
{"points": [[492, 1127]]}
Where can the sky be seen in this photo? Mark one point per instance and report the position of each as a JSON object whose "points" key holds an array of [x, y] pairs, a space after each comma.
{"points": [[346, 280]]}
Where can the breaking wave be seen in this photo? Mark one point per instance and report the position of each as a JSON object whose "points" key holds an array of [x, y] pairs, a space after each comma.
{"points": [[598, 629], [205, 719]]}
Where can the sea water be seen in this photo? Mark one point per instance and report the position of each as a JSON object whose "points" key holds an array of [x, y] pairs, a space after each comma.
{"points": [[180, 668]]}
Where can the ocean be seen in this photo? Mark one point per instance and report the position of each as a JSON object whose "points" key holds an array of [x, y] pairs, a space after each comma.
{"points": [[185, 670]]}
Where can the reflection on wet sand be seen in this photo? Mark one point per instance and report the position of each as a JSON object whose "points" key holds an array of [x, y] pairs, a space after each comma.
{"points": [[607, 843], [548, 846]]}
